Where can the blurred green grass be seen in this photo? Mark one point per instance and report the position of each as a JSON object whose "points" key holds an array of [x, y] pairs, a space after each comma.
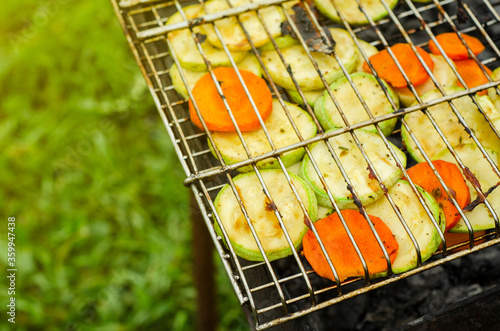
{"points": [[103, 229]]}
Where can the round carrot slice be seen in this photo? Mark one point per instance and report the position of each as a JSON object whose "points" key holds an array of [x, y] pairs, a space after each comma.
{"points": [[341, 250], [213, 109], [422, 175], [453, 46], [387, 69]]}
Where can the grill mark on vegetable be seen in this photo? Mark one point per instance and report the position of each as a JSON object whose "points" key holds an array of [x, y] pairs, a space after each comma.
{"points": [[471, 177], [200, 38], [313, 39], [195, 21], [307, 221], [355, 199], [270, 206], [480, 198], [371, 173]]}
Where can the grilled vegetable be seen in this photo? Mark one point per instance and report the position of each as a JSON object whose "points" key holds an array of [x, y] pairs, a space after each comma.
{"points": [[261, 212], [442, 72], [369, 51], [482, 173], [351, 12], [281, 132], [343, 92], [363, 181], [231, 31], [303, 70], [311, 96], [471, 73], [447, 121], [387, 69], [249, 63], [422, 175], [420, 225], [185, 48], [281, 41], [341, 250], [453, 46], [213, 109]]}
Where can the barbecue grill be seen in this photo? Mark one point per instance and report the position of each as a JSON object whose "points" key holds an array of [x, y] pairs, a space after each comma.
{"points": [[275, 292]]}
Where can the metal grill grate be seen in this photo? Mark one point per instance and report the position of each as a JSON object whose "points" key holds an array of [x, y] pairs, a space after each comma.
{"points": [[278, 291]]}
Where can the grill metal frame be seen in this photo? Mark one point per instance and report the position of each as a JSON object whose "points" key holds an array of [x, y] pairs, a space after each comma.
{"points": [[144, 25]]}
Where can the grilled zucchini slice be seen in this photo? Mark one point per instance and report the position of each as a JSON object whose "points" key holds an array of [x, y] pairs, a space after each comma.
{"points": [[365, 184], [480, 217], [281, 133], [369, 51], [185, 47], [281, 41], [249, 63], [444, 75], [231, 31], [261, 213], [418, 221], [311, 96], [351, 12], [371, 92], [448, 122], [303, 70]]}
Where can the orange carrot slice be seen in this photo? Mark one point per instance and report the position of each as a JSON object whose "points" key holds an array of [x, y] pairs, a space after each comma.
{"points": [[472, 73], [387, 69], [341, 250], [453, 46], [422, 175], [214, 111]]}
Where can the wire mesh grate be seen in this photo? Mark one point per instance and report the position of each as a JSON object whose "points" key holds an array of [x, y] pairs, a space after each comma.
{"points": [[280, 290]]}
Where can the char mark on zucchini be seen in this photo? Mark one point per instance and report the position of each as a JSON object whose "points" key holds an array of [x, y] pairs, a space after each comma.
{"points": [[309, 32]]}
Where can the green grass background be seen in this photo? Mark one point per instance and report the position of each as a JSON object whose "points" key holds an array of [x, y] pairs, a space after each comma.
{"points": [[103, 232]]}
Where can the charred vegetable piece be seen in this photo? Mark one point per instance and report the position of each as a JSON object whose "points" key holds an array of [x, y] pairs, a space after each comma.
{"points": [[185, 47], [341, 250], [371, 92], [350, 10], [422, 175], [417, 220], [262, 215], [455, 132], [480, 173], [363, 180], [282, 134], [215, 112]]}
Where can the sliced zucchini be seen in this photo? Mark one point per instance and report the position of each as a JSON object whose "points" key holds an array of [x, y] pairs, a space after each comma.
{"points": [[322, 211], [480, 217], [261, 213], [351, 12], [281, 41], [365, 184], [249, 63], [281, 133], [444, 75], [416, 218], [373, 95], [490, 108], [232, 33], [369, 51], [492, 92], [185, 48], [191, 78], [303, 70], [311, 96], [448, 122]]}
